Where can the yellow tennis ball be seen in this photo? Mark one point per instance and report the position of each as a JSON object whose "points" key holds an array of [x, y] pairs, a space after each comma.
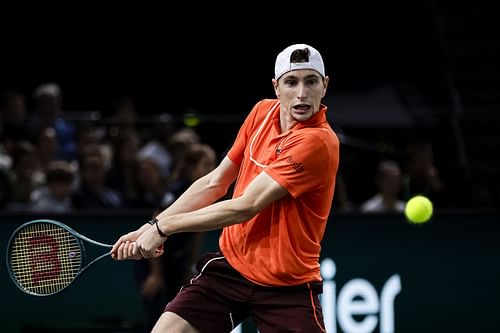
{"points": [[418, 209], [191, 120]]}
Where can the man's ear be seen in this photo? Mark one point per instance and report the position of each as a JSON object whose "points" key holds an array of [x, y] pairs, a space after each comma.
{"points": [[276, 88], [326, 80]]}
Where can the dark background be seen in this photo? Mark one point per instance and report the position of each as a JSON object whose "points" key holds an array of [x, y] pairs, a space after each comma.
{"points": [[218, 62]]}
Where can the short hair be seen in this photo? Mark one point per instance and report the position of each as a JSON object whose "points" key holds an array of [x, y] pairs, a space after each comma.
{"points": [[51, 89], [59, 172], [300, 55]]}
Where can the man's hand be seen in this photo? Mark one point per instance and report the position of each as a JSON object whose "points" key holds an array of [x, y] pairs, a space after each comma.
{"points": [[127, 247], [127, 250], [150, 243]]}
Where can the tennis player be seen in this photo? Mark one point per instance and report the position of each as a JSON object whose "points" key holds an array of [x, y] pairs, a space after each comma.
{"points": [[284, 162]]}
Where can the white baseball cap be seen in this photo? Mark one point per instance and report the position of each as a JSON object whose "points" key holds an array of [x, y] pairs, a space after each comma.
{"points": [[283, 64]]}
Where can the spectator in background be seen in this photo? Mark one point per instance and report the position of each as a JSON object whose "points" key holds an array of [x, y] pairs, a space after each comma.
{"points": [[157, 143], [91, 191], [49, 113], [179, 143], [124, 119], [25, 176], [121, 176], [422, 175], [388, 182], [47, 147], [13, 120], [55, 196], [150, 182], [89, 134], [197, 160]]}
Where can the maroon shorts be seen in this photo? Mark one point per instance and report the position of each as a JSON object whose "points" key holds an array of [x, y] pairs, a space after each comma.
{"points": [[218, 299]]}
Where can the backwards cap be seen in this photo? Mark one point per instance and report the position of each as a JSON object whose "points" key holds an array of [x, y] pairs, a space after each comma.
{"points": [[283, 64]]}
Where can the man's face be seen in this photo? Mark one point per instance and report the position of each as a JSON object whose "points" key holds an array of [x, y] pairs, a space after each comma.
{"points": [[300, 92]]}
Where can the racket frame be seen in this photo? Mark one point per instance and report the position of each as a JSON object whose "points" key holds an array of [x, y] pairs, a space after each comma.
{"points": [[84, 265]]}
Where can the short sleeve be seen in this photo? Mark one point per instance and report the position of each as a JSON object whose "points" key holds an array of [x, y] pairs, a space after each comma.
{"points": [[307, 160]]}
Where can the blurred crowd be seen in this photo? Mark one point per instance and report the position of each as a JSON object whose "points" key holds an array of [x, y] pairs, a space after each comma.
{"points": [[55, 162], [384, 183]]}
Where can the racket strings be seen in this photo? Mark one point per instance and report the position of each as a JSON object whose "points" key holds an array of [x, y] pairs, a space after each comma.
{"points": [[45, 258]]}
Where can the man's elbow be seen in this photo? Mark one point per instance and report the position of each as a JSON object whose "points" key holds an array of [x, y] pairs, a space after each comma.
{"points": [[246, 210], [217, 189]]}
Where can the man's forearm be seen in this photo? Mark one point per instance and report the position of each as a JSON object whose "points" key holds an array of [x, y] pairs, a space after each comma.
{"points": [[198, 195], [212, 217]]}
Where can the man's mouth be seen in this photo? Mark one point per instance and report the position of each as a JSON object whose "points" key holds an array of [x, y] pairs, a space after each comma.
{"points": [[301, 107]]}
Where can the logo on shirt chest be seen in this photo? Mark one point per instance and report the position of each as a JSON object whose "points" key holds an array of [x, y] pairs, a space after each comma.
{"points": [[299, 167]]}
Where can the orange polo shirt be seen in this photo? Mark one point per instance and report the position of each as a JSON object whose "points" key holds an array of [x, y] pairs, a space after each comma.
{"points": [[280, 246]]}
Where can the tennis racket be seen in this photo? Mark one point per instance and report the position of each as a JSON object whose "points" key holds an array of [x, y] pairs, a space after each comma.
{"points": [[44, 257]]}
